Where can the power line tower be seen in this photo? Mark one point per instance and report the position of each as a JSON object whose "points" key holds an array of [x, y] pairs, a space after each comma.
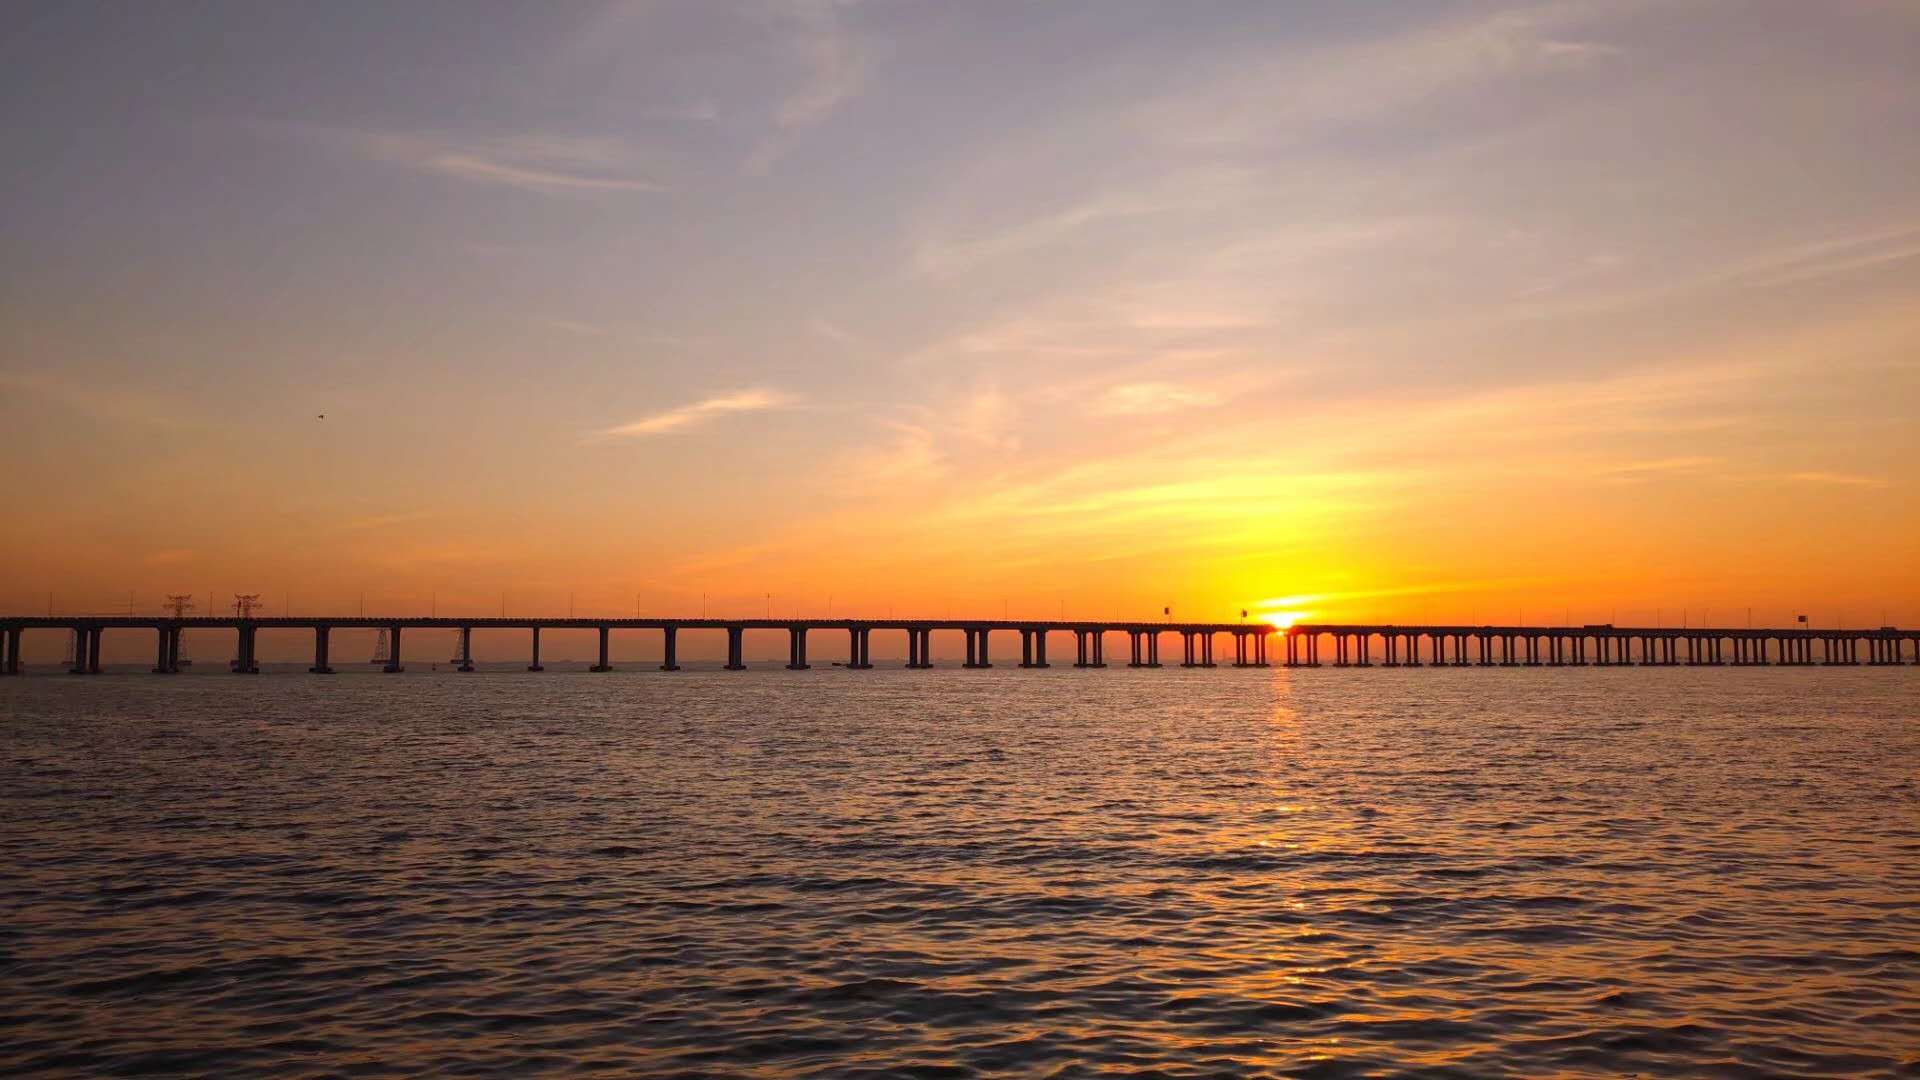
{"points": [[178, 604], [244, 604], [382, 652]]}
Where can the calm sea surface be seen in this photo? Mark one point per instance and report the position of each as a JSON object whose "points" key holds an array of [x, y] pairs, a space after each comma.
{"points": [[830, 873]]}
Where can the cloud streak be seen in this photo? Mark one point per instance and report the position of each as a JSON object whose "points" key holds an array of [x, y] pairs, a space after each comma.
{"points": [[700, 412], [549, 165]]}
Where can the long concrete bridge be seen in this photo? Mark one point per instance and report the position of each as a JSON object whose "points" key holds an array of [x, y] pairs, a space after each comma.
{"points": [[1306, 645], [1197, 639]]}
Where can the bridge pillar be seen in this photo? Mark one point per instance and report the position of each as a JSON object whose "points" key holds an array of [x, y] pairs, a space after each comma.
{"points": [[669, 648], [464, 662], [1079, 648], [533, 664], [606, 663], [246, 661], [320, 643], [797, 649], [160, 651], [984, 659], [736, 641], [10, 654], [393, 651], [1099, 639], [1026, 647]]}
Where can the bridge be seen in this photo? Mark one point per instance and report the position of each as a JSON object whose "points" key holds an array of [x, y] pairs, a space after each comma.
{"points": [[1306, 645]]}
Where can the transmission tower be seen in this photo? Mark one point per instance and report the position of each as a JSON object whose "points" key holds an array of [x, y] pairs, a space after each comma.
{"points": [[245, 603], [382, 652], [179, 604]]}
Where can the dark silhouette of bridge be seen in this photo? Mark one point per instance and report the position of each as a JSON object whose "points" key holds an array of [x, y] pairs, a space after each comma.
{"points": [[1344, 645]]}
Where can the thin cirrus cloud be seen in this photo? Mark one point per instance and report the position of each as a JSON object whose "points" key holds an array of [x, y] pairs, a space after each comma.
{"points": [[1152, 398], [1837, 479], [699, 412], [547, 164]]}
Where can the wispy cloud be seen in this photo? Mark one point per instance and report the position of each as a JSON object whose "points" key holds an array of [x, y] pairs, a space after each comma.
{"points": [[1296, 94], [1837, 479], [543, 163], [833, 61], [700, 412], [1151, 398]]}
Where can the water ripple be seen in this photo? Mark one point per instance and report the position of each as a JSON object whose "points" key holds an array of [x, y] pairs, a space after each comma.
{"points": [[948, 874]]}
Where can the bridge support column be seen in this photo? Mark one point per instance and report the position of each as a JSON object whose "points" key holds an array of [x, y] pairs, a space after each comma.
{"points": [[797, 648], [1079, 648], [533, 664], [670, 648], [320, 644], [159, 652], [1026, 648], [393, 651], [605, 663], [464, 662], [736, 652], [10, 650], [245, 663], [1099, 641], [983, 659]]}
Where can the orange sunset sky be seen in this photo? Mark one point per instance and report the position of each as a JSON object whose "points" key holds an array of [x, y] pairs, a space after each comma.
{"points": [[1445, 311]]}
